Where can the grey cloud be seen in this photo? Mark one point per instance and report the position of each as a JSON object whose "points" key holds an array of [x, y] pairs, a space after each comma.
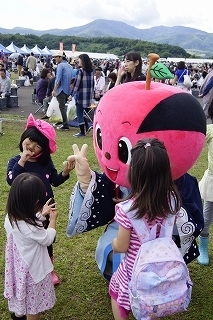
{"points": [[134, 13]]}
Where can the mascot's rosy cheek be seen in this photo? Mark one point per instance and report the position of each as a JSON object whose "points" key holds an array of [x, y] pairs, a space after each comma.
{"points": [[129, 112]]}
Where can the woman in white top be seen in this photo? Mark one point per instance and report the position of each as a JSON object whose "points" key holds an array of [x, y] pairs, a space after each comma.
{"points": [[99, 84], [28, 281]]}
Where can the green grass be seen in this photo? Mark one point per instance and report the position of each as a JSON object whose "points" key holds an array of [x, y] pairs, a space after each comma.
{"points": [[82, 293]]}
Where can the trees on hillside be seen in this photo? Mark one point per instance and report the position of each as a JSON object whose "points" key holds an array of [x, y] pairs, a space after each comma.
{"points": [[118, 46]]}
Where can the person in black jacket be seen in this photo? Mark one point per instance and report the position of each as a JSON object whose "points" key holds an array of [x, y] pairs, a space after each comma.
{"points": [[27, 73], [20, 62]]}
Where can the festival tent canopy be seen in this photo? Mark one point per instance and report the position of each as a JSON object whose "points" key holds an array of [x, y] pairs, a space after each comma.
{"points": [[14, 55], [37, 51], [3, 49], [14, 48], [46, 51], [92, 55], [26, 49]]}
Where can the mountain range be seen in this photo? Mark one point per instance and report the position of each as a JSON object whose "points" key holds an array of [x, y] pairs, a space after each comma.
{"points": [[192, 40]]}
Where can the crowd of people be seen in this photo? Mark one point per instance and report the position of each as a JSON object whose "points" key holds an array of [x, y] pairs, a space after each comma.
{"points": [[31, 217]]}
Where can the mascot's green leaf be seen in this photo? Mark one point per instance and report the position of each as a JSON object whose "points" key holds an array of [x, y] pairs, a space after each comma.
{"points": [[160, 71]]}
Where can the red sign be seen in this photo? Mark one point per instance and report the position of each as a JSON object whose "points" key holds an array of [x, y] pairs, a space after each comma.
{"points": [[73, 47]]}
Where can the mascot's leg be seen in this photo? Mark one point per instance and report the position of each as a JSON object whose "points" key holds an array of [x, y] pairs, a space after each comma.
{"points": [[106, 260], [203, 258]]}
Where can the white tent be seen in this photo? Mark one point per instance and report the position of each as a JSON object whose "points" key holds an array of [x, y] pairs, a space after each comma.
{"points": [[190, 60], [14, 55], [3, 49], [26, 49], [92, 55], [37, 51], [46, 51], [14, 48]]}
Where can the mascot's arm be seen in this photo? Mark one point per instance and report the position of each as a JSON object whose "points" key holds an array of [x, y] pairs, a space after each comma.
{"points": [[82, 168], [91, 209], [189, 223]]}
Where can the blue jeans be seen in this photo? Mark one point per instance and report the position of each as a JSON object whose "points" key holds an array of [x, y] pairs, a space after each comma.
{"points": [[80, 114]]}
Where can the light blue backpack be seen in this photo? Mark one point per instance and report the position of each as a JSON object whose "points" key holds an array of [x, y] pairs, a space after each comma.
{"points": [[160, 285]]}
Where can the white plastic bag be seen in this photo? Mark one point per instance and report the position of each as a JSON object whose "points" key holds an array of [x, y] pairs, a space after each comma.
{"points": [[200, 81], [187, 81], [27, 81], [53, 110], [71, 110]]}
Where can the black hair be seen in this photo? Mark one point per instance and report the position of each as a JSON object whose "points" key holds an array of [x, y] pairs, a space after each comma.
{"points": [[113, 76], [27, 197], [98, 69], [44, 73], [35, 135], [151, 181], [86, 62], [64, 57], [134, 56], [181, 65]]}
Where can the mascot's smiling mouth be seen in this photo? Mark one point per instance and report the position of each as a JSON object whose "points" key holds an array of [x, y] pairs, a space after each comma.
{"points": [[111, 173]]}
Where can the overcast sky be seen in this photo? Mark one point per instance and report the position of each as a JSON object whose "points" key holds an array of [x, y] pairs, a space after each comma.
{"points": [[51, 14]]}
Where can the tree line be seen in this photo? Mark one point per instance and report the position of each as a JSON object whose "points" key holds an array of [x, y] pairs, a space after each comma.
{"points": [[117, 46]]}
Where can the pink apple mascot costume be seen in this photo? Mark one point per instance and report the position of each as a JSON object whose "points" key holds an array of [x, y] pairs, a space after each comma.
{"points": [[126, 114]]}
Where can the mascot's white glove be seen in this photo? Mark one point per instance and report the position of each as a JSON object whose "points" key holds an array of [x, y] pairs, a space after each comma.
{"points": [[82, 168]]}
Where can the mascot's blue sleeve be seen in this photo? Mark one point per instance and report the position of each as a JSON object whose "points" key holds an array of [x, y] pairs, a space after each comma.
{"points": [[190, 221], [92, 209]]}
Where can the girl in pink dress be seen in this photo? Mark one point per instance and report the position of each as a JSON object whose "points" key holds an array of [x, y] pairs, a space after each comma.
{"points": [[154, 196], [28, 282]]}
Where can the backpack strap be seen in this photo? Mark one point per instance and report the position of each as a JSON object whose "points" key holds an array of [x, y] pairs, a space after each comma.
{"points": [[182, 74], [140, 226]]}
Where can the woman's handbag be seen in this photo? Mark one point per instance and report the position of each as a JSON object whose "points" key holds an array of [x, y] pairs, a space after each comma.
{"points": [[187, 81]]}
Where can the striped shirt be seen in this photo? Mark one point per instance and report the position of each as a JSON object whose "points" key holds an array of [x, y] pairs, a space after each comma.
{"points": [[119, 282], [83, 88]]}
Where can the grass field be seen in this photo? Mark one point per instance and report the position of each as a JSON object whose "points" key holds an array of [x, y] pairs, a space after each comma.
{"points": [[82, 293]]}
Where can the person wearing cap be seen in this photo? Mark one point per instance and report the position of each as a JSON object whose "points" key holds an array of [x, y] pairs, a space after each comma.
{"points": [[61, 88], [37, 143]]}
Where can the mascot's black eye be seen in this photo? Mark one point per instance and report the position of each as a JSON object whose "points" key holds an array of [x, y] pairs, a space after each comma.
{"points": [[98, 136], [124, 148]]}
